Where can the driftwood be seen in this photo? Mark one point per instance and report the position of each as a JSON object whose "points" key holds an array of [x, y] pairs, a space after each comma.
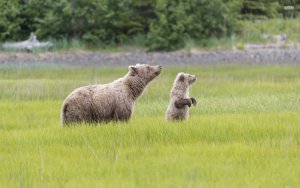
{"points": [[27, 45], [280, 41]]}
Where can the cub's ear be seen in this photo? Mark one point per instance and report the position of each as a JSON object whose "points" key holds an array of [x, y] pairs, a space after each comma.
{"points": [[132, 70], [181, 78]]}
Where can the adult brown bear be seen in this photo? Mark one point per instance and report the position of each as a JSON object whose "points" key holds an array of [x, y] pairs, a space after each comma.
{"points": [[108, 102]]}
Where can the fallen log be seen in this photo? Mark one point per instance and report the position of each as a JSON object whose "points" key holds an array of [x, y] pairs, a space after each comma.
{"points": [[27, 45]]}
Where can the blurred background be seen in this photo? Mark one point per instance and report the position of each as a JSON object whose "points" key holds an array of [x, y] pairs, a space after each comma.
{"points": [[160, 25]]}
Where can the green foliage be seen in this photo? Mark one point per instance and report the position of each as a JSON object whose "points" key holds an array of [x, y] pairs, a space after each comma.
{"points": [[95, 21], [258, 32], [289, 8], [167, 24], [167, 32], [270, 26], [210, 19], [10, 20], [259, 9], [180, 20], [164, 24]]}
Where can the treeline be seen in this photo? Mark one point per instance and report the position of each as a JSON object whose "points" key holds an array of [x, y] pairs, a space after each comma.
{"points": [[164, 24]]}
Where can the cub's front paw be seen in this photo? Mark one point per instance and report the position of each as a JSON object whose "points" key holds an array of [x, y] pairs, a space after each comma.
{"points": [[189, 103], [194, 101]]}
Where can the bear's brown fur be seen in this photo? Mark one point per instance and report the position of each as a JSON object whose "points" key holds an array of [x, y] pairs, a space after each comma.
{"points": [[108, 102], [180, 102]]}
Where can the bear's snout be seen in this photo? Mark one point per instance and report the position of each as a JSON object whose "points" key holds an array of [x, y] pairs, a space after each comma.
{"points": [[159, 70]]}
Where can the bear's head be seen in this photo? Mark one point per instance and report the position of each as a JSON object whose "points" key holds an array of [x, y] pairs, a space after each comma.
{"points": [[185, 78], [144, 71]]}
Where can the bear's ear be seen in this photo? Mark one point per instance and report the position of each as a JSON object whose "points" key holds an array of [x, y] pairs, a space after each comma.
{"points": [[181, 78], [132, 70]]}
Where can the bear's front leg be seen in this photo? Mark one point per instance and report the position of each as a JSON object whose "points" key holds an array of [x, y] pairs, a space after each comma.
{"points": [[122, 114], [194, 101], [182, 102]]}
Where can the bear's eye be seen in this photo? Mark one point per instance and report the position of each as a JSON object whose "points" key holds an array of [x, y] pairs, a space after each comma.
{"points": [[148, 67]]}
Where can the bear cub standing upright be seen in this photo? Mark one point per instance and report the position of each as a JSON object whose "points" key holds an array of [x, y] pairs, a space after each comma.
{"points": [[180, 102]]}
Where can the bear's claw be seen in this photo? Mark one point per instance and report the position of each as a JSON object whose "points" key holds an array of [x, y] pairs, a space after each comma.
{"points": [[194, 101]]}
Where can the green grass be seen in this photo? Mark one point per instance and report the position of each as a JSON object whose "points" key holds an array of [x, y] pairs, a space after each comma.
{"points": [[244, 132], [252, 32]]}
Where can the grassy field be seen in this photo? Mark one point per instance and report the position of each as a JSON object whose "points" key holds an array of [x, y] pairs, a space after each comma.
{"points": [[244, 132]]}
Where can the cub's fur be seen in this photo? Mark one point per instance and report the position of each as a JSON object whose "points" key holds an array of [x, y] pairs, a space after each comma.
{"points": [[180, 102]]}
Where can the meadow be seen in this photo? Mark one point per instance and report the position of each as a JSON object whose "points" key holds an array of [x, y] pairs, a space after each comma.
{"points": [[244, 131]]}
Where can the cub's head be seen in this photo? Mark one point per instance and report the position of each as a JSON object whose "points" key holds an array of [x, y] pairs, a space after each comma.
{"points": [[144, 71], [185, 78]]}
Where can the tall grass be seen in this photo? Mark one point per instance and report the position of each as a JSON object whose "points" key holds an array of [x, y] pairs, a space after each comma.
{"points": [[259, 32], [244, 132], [290, 27]]}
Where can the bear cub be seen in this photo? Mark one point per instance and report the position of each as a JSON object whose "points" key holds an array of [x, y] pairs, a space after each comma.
{"points": [[180, 102]]}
